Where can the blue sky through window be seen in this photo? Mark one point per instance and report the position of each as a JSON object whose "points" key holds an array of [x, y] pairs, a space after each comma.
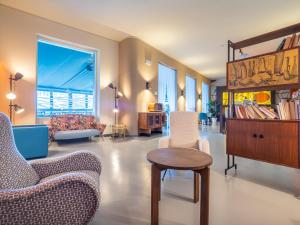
{"points": [[65, 80], [190, 87]]}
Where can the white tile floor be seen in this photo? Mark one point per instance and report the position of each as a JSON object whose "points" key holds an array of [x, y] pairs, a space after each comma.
{"points": [[258, 194]]}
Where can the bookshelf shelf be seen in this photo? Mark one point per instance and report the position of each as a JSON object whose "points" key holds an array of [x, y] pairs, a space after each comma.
{"points": [[268, 140], [267, 120]]}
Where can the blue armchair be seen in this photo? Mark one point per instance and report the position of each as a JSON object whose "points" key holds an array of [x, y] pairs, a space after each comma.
{"points": [[31, 140], [203, 118]]}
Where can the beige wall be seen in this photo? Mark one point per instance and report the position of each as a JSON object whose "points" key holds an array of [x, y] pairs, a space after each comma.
{"points": [[18, 41], [4, 89], [133, 76]]}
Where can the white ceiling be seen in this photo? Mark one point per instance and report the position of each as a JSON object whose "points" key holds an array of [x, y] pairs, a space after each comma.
{"points": [[195, 32]]}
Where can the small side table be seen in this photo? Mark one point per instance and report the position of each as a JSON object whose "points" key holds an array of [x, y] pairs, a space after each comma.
{"points": [[180, 159], [118, 129]]}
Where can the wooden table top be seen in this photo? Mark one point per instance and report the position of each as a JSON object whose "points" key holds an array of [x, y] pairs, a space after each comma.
{"points": [[180, 158]]}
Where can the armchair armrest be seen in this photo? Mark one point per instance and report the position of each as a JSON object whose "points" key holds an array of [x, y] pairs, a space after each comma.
{"points": [[71, 162], [164, 142], [53, 202], [203, 145], [51, 132]]}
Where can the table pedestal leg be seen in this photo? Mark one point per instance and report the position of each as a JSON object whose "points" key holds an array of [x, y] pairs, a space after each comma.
{"points": [[196, 187], [155, 194], [204, 205]]}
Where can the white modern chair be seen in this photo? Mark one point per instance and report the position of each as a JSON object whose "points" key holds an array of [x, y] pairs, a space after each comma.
{"points": [[184, 133]]}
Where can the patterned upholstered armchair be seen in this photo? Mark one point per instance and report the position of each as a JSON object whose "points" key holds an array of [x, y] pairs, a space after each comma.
{"points": [[62, 190]]}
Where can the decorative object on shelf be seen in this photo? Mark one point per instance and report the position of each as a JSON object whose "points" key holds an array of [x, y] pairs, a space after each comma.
{"points": [[117, 95], [155, 107], [268, 70], [242, 54], [261, 97], [148, 85], [12, 96]]}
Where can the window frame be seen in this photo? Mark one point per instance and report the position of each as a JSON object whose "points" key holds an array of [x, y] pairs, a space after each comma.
{"points": [[77, 47], [176, 81]]}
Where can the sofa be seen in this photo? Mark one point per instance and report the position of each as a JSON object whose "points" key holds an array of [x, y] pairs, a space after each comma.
{"points": [[29, 149], [73, 126], [62, 190]]}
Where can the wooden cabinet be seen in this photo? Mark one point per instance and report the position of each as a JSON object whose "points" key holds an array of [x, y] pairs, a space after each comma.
{"points": [[273, 141], [151, 121]]}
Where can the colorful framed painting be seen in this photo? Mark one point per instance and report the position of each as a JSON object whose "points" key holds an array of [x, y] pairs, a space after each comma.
{"points": [[268, 70]]}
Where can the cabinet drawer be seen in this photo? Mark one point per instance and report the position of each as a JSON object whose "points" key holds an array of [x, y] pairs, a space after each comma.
{"points": [[278, 142], [240, 139], [270, 141]]}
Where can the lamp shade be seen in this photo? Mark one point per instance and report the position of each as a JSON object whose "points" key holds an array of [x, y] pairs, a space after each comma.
{"points": [[120, 94], [111, 86], [18, 109], [11, 96], [18, 76]]}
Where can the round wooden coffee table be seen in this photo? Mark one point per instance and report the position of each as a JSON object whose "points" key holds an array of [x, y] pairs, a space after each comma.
{"points": [[180, 159]]}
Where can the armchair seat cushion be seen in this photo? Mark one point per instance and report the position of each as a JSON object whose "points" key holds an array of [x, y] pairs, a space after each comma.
{"points": [[74, 134]]}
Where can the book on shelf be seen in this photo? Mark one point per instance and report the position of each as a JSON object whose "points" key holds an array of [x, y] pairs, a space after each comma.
{"points": [[289, 109], [292, 40], [296, 40], [289, 42], [280, 46], [255, 112]]}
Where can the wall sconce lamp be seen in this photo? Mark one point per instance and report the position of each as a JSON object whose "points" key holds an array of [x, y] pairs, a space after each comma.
{"points": [[115, 110], [181, 92], [117, 95], [199, 96], [18, 109], [148, 62], [148, 85], [12, 96], [148, 57]]}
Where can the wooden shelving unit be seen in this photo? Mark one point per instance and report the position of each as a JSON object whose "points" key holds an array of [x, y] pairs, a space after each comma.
{"points": [[149, 122], [272, 141]]}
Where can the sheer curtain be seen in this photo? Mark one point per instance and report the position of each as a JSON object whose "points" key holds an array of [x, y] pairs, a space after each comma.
{"points": [[205, 97], [190, 89], [167, 94]]}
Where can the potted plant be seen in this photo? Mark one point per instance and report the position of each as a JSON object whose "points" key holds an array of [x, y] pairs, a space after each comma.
{"points": [[212, 109]]}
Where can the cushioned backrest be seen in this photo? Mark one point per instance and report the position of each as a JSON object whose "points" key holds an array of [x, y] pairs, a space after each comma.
{"points": [[184, 129], [15, 172]]}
